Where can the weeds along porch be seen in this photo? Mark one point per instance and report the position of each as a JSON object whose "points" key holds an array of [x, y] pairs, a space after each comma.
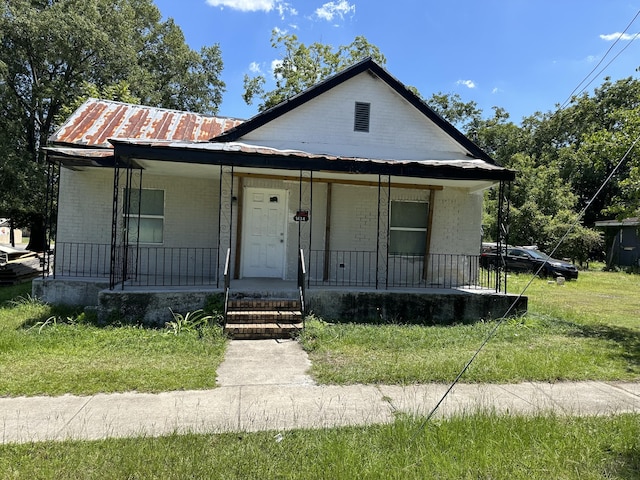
{"points": [[153, 305]]}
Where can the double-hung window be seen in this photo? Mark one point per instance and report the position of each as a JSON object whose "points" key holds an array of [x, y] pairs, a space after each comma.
{"points": [[144, 211], [408, 228]]}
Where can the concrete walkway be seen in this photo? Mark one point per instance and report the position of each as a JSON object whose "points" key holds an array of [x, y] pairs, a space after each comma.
{"points": [[264, 386]]}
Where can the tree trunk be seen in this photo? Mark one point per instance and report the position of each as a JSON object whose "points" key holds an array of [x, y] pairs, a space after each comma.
{"points": [[12, 236], [37, 239]]}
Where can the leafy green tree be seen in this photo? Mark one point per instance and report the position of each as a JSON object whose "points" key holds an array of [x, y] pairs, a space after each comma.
{"points": [[451, 107], [570, 152], [303, 66], [585, 140], [542, 212], [51, 50], [601, 154]]}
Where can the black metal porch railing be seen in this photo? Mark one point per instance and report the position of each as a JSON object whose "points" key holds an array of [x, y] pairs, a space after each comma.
{"points": [[302, 281], [72, 259], [146, 266], [359, 269], [188, 266], [172, 266], [227, 284]]}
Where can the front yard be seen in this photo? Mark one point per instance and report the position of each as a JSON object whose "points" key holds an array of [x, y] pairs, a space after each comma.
{"points": [[584, 330], [47, 350]]}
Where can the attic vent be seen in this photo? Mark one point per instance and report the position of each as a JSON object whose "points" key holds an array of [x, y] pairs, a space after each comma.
{"points": [[362, 114]]}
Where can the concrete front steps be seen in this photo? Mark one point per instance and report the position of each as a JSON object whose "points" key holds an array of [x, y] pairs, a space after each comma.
{"points": [[263, 318]]}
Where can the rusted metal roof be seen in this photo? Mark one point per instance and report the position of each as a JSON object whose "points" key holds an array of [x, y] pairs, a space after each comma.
{"points": [[96, 121]]}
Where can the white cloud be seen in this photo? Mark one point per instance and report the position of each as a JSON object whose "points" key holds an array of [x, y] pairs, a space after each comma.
{"points": [[466, 83], [254, 67], [615, 36], [275, 64], [330, 10], [245, 5], [283, 8], [495, 90]]}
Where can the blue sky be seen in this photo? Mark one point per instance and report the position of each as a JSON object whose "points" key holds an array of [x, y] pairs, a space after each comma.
{"points": [[522, 55]]}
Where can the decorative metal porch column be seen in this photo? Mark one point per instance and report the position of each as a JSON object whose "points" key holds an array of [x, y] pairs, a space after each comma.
{"points": [[225, 219], [502, 238], [382, 243], [52, 200], [120, 266], [303, 215]]}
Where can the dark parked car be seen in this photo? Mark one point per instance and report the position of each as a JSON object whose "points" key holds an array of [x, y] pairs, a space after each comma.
{"points": [[519, 259]]}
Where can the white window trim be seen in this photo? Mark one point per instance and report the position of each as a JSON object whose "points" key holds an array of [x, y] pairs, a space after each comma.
{"points": [[141, 216], [408, 229]]}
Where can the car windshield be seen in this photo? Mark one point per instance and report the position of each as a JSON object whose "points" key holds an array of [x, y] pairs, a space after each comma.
{"points": [[538, 254]]}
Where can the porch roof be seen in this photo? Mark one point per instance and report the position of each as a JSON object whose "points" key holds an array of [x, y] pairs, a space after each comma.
{"points": [[246, 155], [134, 152], [626, 222]]}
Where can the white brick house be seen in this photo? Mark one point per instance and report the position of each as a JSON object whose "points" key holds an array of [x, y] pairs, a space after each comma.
{"points": [[357, 173]]}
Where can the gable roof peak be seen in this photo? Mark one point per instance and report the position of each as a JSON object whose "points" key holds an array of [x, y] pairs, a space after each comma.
{"points": [[365, 65]]}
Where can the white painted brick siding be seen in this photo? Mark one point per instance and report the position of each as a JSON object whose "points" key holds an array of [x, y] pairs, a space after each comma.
{"points": [[457, 221], [191, 210], [86, 199], [191, 216], [354, 218], [84, 208], [325, 125]]}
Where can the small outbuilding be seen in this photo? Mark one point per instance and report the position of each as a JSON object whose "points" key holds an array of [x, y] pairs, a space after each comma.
{"points": [[622, 240]]}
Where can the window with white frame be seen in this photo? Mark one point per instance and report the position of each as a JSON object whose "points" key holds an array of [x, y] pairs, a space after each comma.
{"points": [[408, 228], [145, 215]]}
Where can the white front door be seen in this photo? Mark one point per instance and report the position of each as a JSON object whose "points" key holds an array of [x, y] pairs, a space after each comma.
{"points": [[264, 237]]}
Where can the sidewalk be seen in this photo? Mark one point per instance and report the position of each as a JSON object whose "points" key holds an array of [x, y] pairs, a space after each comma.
{"points": [[263, 386]]}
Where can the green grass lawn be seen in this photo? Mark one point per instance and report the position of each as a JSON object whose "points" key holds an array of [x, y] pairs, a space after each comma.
{"points": [[468, 447], [72, 355], [583, 330], [596, 298]]}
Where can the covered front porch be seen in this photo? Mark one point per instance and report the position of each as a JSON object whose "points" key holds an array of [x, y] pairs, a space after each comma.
{"points": [[171, 221], [356, 238]]}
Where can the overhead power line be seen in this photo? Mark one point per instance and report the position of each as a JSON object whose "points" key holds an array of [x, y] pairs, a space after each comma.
{"points": [[577, 220], [575, 90], [502, 319]]}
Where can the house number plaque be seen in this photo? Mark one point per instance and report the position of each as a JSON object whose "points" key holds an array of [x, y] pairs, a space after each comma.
{"points": [[301, 216]]}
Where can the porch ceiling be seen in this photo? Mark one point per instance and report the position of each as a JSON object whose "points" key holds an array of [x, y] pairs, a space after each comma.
{"points": [[176, 169]]}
